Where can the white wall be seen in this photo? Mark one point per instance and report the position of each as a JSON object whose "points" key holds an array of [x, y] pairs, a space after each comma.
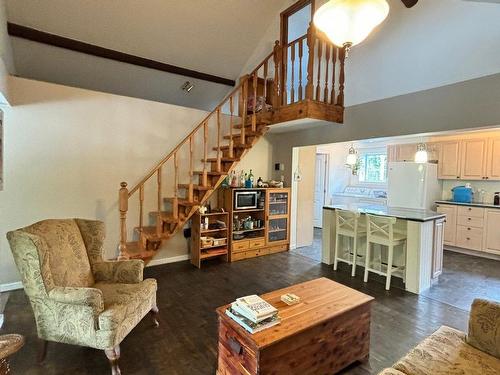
{"points": [[67, 150], [6, 58], [433, 44]]}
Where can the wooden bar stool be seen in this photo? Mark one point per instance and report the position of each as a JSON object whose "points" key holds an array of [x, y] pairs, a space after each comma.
{"points": [[347, 224], [380, 230]]}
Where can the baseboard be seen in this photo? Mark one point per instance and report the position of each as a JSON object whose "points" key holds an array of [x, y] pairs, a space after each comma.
{"points": [[481, 254], [11, 286], [157, 262]]}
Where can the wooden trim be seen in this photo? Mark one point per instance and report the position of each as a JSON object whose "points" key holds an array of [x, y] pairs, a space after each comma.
{"points": [[288, 12], [91, 49]]}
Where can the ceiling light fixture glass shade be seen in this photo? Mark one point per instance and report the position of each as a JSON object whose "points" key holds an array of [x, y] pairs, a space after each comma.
{"points": [[352, 157], [349, 22], [421, 156]]}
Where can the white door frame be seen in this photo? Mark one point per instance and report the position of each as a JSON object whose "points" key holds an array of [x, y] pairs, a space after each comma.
{"points": [[324, 188]]}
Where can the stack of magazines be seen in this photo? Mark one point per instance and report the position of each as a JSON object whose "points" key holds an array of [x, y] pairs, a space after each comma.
{"points": [[253, 313]]}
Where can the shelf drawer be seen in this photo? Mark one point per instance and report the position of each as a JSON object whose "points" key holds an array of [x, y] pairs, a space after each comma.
{"points": [[240, 246], [470, 221], [471, 211], [472, 239], [470, 231], [278, 249], [256, 243], [238, 256]]}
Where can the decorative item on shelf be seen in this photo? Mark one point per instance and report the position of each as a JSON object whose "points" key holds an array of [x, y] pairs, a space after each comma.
{"points": [[203, 210], [275, 184], [250, 180], [206, 241], [260, 183], [234, 179], [242, 179], [421, 156], [226, 182], [348, 22]]}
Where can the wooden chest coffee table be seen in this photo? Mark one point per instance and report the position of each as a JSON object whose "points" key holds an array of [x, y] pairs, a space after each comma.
{"points": [[328, 330]]}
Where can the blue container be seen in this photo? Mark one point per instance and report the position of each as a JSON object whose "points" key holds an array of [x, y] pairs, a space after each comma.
{"points": [[462, 194]]}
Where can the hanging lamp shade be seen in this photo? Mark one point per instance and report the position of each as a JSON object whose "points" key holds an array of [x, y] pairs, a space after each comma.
{"points": [[349, 22], [421, 156]]}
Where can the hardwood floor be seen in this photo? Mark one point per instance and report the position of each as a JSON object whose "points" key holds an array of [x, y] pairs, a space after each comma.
{"points": [[185, 342]]}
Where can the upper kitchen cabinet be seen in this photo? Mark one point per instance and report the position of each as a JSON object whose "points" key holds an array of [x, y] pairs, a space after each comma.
{"points": [[473, 157], [493, 159], [406, 152], [449, 160]]}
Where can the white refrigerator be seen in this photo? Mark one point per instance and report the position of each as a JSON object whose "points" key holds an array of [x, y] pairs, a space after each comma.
{"points": [[412, 185]]}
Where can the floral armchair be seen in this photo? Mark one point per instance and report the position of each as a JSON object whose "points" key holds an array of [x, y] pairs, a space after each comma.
{"points": [[76, 296]]}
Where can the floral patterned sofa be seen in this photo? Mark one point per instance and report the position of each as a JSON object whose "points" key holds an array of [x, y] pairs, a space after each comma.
{"points": [[451, 352]]}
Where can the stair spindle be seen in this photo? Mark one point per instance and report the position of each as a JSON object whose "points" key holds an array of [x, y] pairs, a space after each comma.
{"points": [[141, 206], [231, 141], [265, 84], [244, 95], [159, 224], [310, 63], [301, 54], [219, 151], [123, 207], [284, 73], [175, 200], [334, 65], [277, 79], [292, 86], [254, 115], [327, 56], [204, 176], [340, 97], [191, 171], [318, 83]]}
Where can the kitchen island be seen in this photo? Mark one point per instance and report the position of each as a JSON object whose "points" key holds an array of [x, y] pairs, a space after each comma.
{"points": [[424, 230]]}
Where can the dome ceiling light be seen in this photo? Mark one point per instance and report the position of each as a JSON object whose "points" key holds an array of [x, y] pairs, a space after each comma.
{"points": [[348, 22]]}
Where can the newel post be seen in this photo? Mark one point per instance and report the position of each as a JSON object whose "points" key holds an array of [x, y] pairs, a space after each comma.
{"points": [[310, 62], [277, 78], [123, 207]]}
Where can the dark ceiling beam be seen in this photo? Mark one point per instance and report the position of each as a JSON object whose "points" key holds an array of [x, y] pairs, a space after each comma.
{"points": [[409, 3], [91, 49]]}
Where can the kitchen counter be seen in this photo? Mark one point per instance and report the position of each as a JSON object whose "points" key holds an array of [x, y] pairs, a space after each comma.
{"points": [[484, 205], [424, 245], [399, 213]]}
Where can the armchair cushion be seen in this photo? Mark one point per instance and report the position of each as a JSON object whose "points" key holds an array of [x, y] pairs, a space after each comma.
{"points": [[126, 271], [484, 327], [125, 301], [78, 296], [68, 260]]}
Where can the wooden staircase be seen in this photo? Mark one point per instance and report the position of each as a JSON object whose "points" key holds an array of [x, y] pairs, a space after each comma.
{"points": [[205, 157]]}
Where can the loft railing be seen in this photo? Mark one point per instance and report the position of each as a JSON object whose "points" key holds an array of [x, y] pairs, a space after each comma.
{"points": [[309, 68]]}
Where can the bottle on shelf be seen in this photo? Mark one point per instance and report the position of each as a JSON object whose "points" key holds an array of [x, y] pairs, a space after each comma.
{"points": [[251, 178], [242, 179], [260, 182]]}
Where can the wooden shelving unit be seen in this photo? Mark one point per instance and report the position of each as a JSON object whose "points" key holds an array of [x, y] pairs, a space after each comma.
{"points": [[274, 234], [200, 252]]}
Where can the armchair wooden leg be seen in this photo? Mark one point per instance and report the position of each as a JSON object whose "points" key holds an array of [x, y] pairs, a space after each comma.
{"points": [[42, 351], [155, 314], [113, 355]]}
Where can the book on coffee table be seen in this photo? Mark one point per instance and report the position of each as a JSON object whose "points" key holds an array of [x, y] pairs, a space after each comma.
{"points": [[251, 326], [254, 308]]}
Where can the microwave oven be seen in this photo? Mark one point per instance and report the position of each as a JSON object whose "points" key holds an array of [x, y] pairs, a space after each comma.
{"points": [[246, 200]]}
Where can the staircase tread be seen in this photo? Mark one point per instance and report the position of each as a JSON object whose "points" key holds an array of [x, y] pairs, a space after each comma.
{"points": [[149, 232], [245, 146], [249, 124], [248, 133], [211, 173], [226, 159], [134, 251], [183, 201], [195, 187], [166, 216]]}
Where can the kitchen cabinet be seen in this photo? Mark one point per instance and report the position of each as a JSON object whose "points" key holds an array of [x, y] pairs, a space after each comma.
{"points": [[437, 253], [473, 158], [449, 160], [450, 227], [406, 152], [492, 231], [493, 159]]}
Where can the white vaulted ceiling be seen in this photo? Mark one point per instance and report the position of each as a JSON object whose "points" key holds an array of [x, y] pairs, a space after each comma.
{"points": [[211, 36]]}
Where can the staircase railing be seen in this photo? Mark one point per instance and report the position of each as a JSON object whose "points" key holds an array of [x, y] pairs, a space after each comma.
{"points": [[234, 106], [283, 78]]}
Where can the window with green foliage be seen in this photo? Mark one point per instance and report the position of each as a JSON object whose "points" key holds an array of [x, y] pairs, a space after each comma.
{"points": [[373, 168]]}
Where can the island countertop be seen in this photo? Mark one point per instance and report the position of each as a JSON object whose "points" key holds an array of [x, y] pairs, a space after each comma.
{"points": [[399, 213]]}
